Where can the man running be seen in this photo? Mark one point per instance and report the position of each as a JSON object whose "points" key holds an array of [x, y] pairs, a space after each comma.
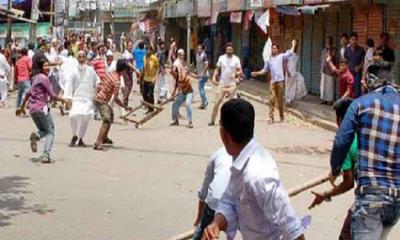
{"points": [[107, 89]]}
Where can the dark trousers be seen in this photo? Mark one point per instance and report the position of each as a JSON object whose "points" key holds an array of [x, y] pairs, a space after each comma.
{"points": [[345, 233], [128, 88], [357, 84], [207, 218], [148, 93]]}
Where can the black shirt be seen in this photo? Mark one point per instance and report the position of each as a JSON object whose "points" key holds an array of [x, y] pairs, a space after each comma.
{"points": [[386, 53]]}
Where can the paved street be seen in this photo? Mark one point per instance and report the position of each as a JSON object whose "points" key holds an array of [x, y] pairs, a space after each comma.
{"points": [[145, 186]]}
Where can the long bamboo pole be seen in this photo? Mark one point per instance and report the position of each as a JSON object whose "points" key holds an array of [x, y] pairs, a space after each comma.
{"points": [[292, 192]]}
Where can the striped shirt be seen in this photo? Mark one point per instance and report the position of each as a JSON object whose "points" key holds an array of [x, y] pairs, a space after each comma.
{"points": [[99, 65], [108, 87], [375, 118]]}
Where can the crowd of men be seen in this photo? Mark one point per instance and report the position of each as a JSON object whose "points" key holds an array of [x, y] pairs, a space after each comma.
{"points": [[241, 190]]}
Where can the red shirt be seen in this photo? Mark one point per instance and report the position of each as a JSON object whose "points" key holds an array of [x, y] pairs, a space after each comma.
{"points": [[23, 68], [346, 81], [99, 66], [108, 87]]}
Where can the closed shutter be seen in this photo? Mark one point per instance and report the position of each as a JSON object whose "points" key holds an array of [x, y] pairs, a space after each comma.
{"points": [[288, 23], [317, 45], [344, 23], [120, 28], [306, 50]]}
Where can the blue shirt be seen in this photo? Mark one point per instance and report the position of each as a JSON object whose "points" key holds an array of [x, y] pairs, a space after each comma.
{"points": [[139, 54], [375, 118], [255, 201], [354, 58], [216, 178]]}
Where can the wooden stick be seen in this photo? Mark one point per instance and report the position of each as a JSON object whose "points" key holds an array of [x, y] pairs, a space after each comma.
{"points": [[184, 236], [292, 192], [151, 105], [313, 183]]}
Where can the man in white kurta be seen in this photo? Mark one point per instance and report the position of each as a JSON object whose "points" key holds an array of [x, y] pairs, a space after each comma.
{"points": [[81, 88]]}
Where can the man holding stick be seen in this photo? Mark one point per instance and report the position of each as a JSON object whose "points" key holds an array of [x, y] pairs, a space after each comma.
{"points": [[375, 119], [255, 200], [108, 88]]}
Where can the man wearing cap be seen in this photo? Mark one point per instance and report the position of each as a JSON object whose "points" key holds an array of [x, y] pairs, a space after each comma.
{"points": [[375, 119], [81, 89]]}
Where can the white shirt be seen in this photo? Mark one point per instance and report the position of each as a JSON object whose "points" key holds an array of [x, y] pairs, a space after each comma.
{"points": [[4, 68], [112, 67], [369, 58], [228, 67], [216, 178], [255, 200], [127, 55], [275, 66], [30, 53]]}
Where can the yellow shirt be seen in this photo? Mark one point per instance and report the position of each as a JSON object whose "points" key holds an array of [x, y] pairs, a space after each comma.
{"points": [[150, 68]]}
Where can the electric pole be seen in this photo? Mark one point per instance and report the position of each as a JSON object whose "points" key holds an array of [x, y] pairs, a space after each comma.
{"points": [[9, 21]]}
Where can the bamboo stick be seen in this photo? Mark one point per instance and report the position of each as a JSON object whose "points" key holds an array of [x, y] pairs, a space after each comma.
{"points": [[292, 192]]}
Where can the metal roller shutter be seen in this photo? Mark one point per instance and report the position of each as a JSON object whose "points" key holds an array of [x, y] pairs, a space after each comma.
{"points": [[317, 45], [306, 50]]}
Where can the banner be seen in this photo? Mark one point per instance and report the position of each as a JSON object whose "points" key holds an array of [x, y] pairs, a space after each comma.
{"points": [[263, 21], [256, 3]]}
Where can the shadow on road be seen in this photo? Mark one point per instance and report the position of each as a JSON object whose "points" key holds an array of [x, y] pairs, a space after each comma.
{"points": [[13, 202]]}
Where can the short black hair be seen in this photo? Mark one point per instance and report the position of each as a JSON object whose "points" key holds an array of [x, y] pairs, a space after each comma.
{"points": [[24, 51], [341, 106], [385, 35], [237, 117], [229, 44], [141, 45], [354, 34], [40, 63], [370, 43], [121, 65], [31, 46], [344, 35]]}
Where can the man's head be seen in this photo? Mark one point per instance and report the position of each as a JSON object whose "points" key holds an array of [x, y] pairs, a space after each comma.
{"points": [[200, 48], [149, 51], [385, 39], [122, 67], [24, 52], [110, 57], [274, 49], [31, 46], [43, 47], [161, 46], [172, 40], [343, 65], [229, 49], [378, 75], [341, 107], [54, 43], [39, 40], [81, 57], [329, 42], [354, 40], [129, 45], [344, 40], [181, 54], [141, 45], [236, 125], [100, 49], [48, 46], [370, 43]]}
